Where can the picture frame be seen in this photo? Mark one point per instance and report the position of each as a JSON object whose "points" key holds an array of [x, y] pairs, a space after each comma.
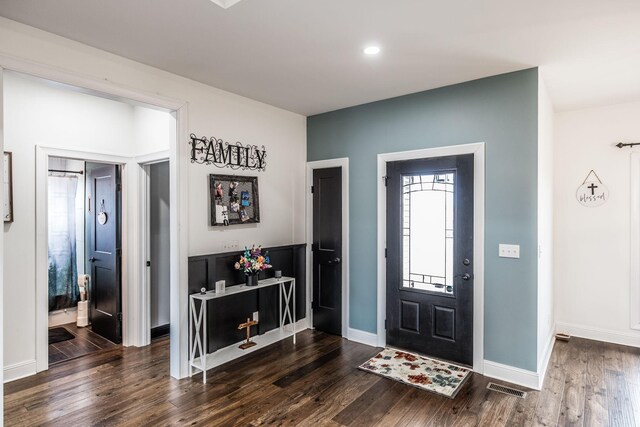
{"points": [[234, 199], [7, 182]]}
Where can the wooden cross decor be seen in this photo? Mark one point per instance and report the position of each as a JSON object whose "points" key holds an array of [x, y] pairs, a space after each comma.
{"points": [[248, 324]]}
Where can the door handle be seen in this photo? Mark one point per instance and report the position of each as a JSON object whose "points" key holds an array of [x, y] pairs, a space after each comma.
{"points": [[336, 260], [92, 259], [466, 276]]}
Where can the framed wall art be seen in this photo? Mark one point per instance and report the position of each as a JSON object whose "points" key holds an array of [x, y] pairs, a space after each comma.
{"points": [[234, 199], [7, 182]]}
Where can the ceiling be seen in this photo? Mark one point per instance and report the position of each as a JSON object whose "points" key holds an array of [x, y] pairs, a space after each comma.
{"points": [[306, 55]]}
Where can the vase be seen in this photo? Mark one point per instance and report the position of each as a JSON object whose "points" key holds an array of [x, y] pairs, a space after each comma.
{"points": [[252, 279]]}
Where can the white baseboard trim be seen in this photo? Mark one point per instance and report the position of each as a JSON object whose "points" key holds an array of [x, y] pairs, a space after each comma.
{"points": [[62, 317], [624, 338], [543, 363], [362, 337], [512, 374], [19, 370]]}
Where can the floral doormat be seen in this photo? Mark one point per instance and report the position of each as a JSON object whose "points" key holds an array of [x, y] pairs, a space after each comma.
{"points": [[419, 371]]}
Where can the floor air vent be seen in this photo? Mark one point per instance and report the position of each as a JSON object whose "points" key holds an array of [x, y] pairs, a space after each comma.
{"points": [[507, 390]]}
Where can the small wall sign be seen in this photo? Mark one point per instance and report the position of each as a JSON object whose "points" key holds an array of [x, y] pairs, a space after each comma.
{"points": [[214, 151], [592, 192]]}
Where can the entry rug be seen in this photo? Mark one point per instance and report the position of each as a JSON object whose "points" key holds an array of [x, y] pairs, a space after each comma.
{"points": [[59, 335], [419, 371]]}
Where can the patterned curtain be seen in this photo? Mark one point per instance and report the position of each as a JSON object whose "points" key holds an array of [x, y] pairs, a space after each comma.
{"points": [[63, 268]]}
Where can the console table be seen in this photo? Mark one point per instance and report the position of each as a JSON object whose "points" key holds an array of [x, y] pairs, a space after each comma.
{"points": [[198, 320]]}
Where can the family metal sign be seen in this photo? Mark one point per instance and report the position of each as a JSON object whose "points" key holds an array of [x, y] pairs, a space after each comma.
{"points": [[214, 151]]}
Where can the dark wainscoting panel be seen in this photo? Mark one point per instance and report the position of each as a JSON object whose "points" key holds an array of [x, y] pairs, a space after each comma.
{"points": [[225, 314]]}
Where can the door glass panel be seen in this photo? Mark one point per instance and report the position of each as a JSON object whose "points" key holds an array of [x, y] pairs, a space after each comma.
{"points": [[427, 232]]}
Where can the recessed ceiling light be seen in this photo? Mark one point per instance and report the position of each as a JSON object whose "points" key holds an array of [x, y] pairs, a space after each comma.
{"points": [[225, 4], [371, 50]]}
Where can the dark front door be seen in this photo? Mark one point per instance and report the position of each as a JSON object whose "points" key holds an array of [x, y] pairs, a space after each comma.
{"points": [[327, 250], [103, 248], [430, 257]]}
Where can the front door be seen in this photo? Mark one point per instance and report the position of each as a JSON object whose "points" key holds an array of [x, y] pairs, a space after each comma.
{"points": [[430, 257], [327, 250], [103, 248]]}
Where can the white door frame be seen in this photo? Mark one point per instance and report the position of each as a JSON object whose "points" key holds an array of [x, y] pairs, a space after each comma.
{"points": [[42, 242], [478, 150], [178, 212], [145, 240], [323, 164]]}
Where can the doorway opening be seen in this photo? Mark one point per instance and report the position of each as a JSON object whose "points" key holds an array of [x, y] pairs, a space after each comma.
{"points": [[84, 219], [430, 257], [328, 252], [158, 244], [430, 286]]}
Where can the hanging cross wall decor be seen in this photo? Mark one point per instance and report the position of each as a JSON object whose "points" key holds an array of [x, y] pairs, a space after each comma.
{"points": [[248, 324], [592, 193]]}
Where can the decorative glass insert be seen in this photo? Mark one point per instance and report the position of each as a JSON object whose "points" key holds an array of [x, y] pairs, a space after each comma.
{"points": [[427, 232]]}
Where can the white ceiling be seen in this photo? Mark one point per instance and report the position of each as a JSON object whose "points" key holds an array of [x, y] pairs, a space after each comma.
{"points": [[306, 55]]}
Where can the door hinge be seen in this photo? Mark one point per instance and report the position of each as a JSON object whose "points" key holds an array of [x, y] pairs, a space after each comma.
{"points": [[119, 187], [385, 179], [312, 189], [148, 263], [119, 317], [385, 252], [385, 324]]}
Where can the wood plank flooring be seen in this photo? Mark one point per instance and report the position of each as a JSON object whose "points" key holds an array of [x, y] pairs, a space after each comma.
{"points": [[317, 383], [84, 343]]}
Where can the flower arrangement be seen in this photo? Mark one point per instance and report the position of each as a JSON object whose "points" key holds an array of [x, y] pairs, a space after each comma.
{"points": [[252, 261]]}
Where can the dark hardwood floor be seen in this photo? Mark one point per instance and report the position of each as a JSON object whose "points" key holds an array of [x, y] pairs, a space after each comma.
{"points": [[84, 343], [317, 383]]}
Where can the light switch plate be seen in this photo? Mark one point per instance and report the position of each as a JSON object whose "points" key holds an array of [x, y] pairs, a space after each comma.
{"points": [[255, 316], [231, 245], [508, 251]]}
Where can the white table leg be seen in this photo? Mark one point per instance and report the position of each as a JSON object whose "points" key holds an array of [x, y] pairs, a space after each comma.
{"points": [[190, 337], [203, 357], [280, 313]]}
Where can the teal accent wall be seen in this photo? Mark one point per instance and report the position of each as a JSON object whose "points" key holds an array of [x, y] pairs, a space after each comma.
{"points": [[501, 111]]}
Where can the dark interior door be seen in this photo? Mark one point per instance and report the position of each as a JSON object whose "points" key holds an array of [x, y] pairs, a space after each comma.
{"points": [[103, 245], [327, 250], [430, 257]]}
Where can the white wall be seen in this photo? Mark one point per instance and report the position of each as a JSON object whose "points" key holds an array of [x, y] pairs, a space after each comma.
{"points": [[592, 244], [37, 114], [1, 254], [212, 112], [545, 225], [152, 130]]}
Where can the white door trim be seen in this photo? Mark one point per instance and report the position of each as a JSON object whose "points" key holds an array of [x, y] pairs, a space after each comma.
{"points": [[323, 164], [634, 252], [179, 193], [42, 242], [478, 150]]}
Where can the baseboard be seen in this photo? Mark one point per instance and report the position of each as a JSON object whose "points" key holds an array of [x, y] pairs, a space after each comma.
{"points": [[62, 317], [19, 370], [512, 374], [160, 331], [544, 360], [362, 337], [598, 334]]}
